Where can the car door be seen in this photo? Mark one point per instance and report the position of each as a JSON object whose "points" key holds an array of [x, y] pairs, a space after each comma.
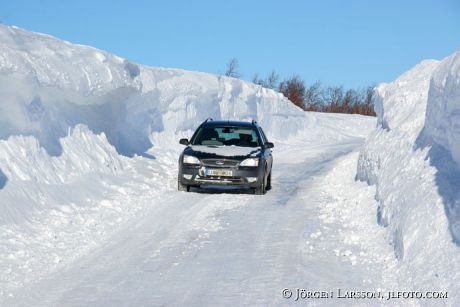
{"points": [[267, 152]]}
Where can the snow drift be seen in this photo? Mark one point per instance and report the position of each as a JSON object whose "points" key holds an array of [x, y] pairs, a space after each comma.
{"points": [[443, 110], [49, 88], [87, 139], [410, 158]]}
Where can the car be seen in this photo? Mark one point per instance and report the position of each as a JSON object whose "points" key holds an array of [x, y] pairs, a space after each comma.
{"points": [[226, 153]]}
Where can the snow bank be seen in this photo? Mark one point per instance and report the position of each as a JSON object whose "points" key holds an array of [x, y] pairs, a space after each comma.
{"points": [[443, 112], [87, 139], [48, 86], [401, 104], [416, 131], [68, 110], [400, 108], [22, 158]]}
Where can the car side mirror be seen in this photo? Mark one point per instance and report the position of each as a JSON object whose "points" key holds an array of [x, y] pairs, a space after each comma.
{"points": [[269, 145], [183, 141]]}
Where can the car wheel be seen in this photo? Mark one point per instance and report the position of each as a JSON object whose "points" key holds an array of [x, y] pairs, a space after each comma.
{"points": [[269, 181], [262, 188], [182, 187]]}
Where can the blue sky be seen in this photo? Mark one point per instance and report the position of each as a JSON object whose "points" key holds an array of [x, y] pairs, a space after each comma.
{"points": [[338, 42]]}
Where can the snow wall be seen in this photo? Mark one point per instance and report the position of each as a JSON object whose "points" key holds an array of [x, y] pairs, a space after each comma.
{"points": [[413, 159], [84, 133], [51, 90], [68, 110]]}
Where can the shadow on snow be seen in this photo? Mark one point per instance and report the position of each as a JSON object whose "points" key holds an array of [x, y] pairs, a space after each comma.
{"points": [[448, 182]]}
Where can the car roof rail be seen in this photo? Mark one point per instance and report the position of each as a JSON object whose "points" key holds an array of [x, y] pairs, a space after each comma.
{"points": [[254, 122], [207, 120]]}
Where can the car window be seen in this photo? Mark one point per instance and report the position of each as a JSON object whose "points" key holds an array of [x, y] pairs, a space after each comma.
{"points": [[237, 136], [263, 136]]}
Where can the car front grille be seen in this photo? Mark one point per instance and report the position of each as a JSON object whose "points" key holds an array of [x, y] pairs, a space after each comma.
{"points": [[220, 162], [220, 180]]}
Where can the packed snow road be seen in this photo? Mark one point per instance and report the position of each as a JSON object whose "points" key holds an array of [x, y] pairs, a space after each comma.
{"points": [[314, 230]]}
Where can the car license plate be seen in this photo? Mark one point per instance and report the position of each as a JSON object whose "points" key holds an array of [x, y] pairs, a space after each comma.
{"points": [[218, 172]]}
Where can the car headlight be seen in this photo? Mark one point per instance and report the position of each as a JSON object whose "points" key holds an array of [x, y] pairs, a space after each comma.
{"points": [[190, 160], [250, 162]]}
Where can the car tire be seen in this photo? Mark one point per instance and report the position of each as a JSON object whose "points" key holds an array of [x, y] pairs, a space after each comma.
{"points": [[182, 187], [261, 190], [269, 181]]}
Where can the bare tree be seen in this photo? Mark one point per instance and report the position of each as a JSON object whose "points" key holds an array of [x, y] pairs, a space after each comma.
{"points": [[232, 68], [334, 94], [333, 99], [256, 80], [369, 100], [314, 97], [272, 80], [367, 104], [294, 90]]}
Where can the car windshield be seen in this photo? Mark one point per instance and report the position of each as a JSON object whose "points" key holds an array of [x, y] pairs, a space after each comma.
{"points": [[218, 136]]}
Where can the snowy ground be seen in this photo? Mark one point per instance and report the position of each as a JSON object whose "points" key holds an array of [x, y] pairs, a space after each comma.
{"points": [[315, 230], [90, 214]]}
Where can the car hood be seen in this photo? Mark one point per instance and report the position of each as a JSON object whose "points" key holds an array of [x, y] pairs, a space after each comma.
{"points": [[203, 151]]}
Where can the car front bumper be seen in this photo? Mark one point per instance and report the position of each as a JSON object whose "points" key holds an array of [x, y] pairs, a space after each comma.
{"points": [[241, 176]]}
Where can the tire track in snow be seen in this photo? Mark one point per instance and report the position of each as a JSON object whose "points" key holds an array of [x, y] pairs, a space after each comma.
{"points": [[194, 248]]}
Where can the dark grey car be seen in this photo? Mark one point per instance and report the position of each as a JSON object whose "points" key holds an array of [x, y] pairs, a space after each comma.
{"points": [[230, 153]]}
